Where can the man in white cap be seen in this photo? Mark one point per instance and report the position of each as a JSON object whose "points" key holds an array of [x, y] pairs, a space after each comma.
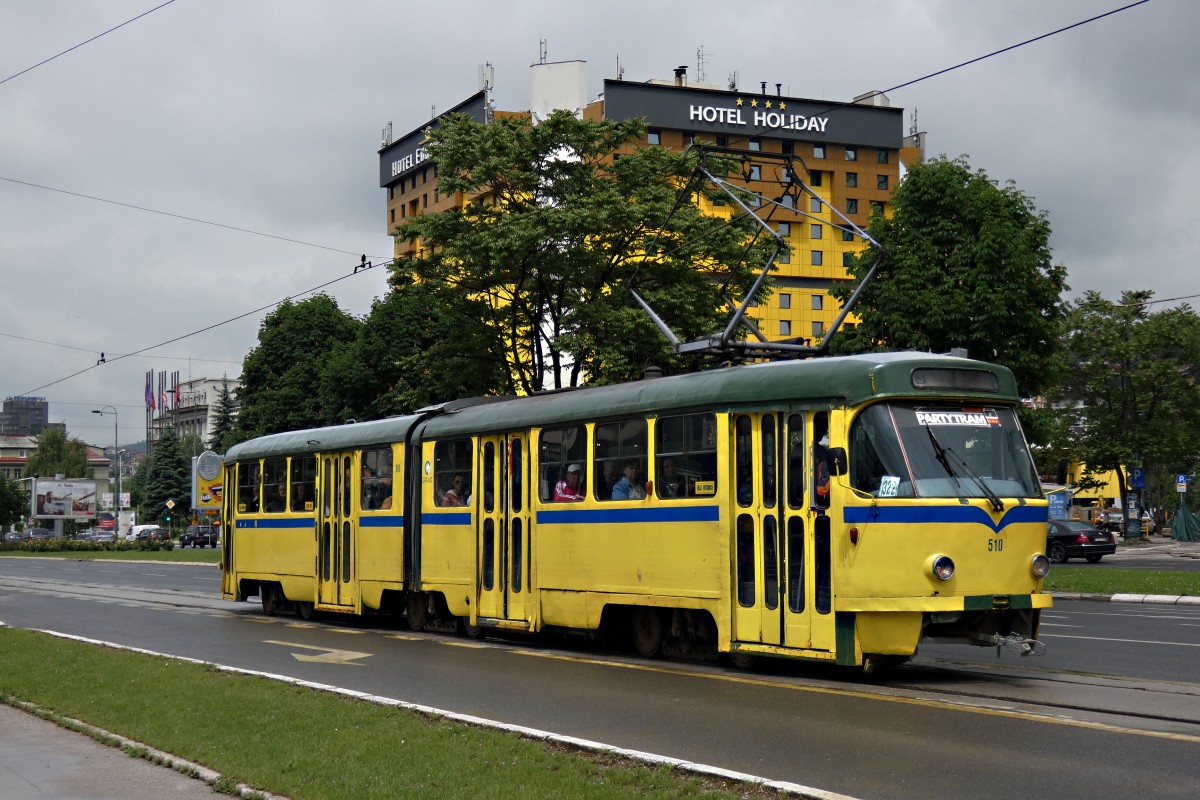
{"points": [[567, 490]]}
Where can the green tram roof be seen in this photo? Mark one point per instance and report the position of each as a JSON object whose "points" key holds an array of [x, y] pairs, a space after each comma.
{"points": [[827, 382]]}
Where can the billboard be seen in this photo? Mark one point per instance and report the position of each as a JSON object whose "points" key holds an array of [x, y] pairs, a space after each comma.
{"points": [[66, 499], [207, 485]]}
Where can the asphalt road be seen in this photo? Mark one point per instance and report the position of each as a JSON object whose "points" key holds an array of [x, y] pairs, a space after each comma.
{"points": [[1111, 710]]}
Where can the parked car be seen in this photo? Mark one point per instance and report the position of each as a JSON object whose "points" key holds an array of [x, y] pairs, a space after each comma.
{"points": [[198, 536], [152, 532], [85, 535], [1071, 538], [104, 537], [40, 533], [14, 537]]}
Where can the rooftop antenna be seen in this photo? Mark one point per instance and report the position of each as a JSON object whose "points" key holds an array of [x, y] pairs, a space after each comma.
{"points": [[701, 63], [487, 82], [387, 134], [913, 129], [541, 51], [732, 82], [620, 69]]}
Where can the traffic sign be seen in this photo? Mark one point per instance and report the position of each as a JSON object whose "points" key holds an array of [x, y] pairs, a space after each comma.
{"points": [[170, 504], [1181, 483], [1137, 478]]}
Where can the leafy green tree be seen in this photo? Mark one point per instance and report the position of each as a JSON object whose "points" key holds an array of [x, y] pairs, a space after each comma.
{"points": [[568, 215], [280, 376], [964, 263], [56, 454], [221, 438], [1129, 388], [419, 345], [14, 502], [168, 477]]}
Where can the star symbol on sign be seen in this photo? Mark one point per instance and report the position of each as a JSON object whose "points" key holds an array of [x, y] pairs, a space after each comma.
{"points": [[782, 106], [739, 101], [768, 104], [754, 104]]}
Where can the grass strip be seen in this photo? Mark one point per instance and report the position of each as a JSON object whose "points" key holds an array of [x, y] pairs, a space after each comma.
{"points": [[314, 745], [1106, 580]]}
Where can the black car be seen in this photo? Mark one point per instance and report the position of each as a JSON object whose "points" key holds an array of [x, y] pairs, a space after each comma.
{"points": [[1072, 538], [198, 536]]}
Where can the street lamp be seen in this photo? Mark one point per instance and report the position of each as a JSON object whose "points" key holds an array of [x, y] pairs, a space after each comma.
{"points": [[116, 465]]}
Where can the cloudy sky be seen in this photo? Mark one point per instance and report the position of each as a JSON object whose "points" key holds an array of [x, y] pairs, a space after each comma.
{"points": [[265, 116]]}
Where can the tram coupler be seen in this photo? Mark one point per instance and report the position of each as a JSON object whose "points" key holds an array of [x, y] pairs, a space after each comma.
{"points": [[1014, 641]]}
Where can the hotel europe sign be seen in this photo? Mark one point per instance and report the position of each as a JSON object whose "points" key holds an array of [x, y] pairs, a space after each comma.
{"points": [[408, 152], [750, 115]]}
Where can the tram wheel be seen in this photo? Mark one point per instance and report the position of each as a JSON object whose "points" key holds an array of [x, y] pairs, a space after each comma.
{"points": [[741, 660], [647, 629], [306, 611], [414, 609], [1058, 553], [266, 593], [470, 631]]}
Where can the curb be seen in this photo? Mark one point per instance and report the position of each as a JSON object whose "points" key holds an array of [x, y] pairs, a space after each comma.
{"points": [[1156, 599]]}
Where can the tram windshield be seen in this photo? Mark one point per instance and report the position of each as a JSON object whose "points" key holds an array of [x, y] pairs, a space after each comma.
{"points": [[923, 450]]}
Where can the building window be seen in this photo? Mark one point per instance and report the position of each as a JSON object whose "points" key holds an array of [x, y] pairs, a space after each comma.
{"points": [[818, 302], [785, 327], [785, 257], [814, 178], [787, 201], [653, 136], [688, 138], [785, 301], [818, 258], [755, 172], [881, 156], [787, 148], [876, 208], [815, 231], [847, 259], [785, 229], [722, 140], [847, 235], [852, 180], [881, 182], [818, 151], [391, 216], [818, 328], [755, 144], [852, 154], [814, 205], [851, 205]]}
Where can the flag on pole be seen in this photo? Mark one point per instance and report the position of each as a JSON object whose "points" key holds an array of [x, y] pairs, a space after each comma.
{"points": [[150, 390]]}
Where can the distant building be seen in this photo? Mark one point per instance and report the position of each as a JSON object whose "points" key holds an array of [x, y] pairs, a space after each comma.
{"points": [[26, 416], [854, 153], [189, 407], [16, 450]]}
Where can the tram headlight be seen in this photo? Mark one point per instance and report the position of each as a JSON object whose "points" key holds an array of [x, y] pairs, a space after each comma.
{"points": [[942, 568], [1039, 566]]}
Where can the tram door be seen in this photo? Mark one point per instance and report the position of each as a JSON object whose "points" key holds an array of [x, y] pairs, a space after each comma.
{"points": [[503, 520], [772, 603], [335, 533]]}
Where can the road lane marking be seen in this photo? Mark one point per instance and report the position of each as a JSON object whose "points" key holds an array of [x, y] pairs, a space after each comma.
{"points": [[1129, 641], [329, 655]]}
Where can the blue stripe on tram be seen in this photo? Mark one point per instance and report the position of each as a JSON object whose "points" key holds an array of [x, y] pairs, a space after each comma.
{"points": [[944, 515]]}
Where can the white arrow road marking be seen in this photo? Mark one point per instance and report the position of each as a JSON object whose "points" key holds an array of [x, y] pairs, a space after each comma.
{"points": [[328, 654]]}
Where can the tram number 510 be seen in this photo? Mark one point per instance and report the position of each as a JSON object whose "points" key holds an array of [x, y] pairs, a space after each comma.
{"points": [[995, 545]]}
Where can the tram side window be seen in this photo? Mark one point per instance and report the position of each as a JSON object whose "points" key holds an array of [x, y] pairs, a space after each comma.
{"points": [[376, 479], [685, 453], [621, 446], [561, 452], [795, 465], [452, 473], [304, 480], [249, 479], [275, 481], [820, 443]]}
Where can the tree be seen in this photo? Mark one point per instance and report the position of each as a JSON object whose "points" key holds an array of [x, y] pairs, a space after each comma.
{"points": [[280, 376], [14, 502], [963, 263], [419, 345], [58, 455], [1129, 388], [221, 438], [168, 477], [567, 215]]}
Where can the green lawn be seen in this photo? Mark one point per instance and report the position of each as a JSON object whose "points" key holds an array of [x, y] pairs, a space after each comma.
{"points": [[314, 745], [1105, 580]]}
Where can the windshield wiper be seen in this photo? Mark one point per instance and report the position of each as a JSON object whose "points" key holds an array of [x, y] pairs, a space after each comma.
{"points": [[944, 455]]}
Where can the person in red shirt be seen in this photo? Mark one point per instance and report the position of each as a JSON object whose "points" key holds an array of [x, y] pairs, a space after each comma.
{"points": [[567, 490]]}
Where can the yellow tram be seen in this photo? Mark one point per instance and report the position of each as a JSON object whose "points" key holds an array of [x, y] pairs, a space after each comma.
{"points": [[839, 510]]}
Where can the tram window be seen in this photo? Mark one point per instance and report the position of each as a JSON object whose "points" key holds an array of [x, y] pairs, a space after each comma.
{"points": [[275, 485], [822, 567], [346, 479], [745, 560], [452, 473], [560, 450], [515, 482], [685, 453], [820, 443], [376, 479], [744, 460], [249, 478], [768, 460], [622, 445], [489, 477], [770, 563], [516, 550], [795, 464], [303, 479], [795, 564]]}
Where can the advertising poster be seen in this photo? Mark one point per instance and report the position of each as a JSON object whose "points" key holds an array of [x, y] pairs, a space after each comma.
{"points": [[64, 499]]}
